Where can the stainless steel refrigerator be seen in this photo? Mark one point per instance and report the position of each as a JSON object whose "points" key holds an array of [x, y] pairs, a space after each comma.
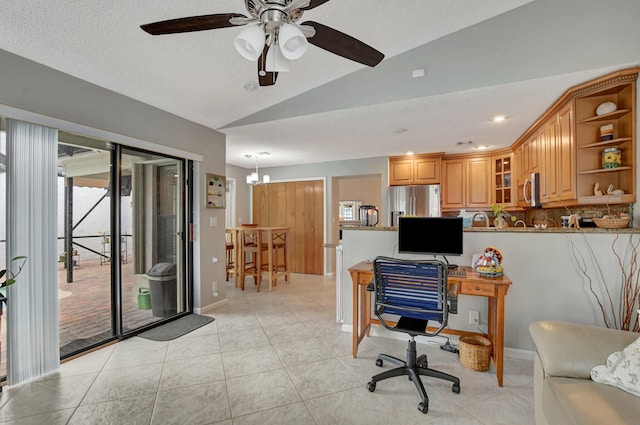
{"points": [[419, 200]]}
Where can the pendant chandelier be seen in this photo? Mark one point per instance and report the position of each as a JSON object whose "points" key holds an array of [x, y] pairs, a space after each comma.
{"points": [[254, 179]]}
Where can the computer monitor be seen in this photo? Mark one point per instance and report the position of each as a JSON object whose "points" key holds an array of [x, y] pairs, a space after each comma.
{"points": [[431, 235]]}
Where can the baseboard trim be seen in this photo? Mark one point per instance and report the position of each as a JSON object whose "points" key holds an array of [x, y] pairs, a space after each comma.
{"points": [[211, 307], [513, 353]]}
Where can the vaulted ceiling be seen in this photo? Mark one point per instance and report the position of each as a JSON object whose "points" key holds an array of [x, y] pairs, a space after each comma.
{"points": [[481, 58]]}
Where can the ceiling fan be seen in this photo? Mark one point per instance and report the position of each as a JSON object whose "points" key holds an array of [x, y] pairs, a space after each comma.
{"points": [[274, 36]]}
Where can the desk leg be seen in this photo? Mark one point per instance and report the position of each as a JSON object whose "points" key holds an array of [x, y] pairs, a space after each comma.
{"points": [[355, 321], [496, 332]]}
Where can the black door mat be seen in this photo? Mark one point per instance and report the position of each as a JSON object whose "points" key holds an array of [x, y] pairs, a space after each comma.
{"points": [[176, 328]]}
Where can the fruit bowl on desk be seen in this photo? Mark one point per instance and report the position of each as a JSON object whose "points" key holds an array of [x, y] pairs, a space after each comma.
{"points": [[490, 271]]}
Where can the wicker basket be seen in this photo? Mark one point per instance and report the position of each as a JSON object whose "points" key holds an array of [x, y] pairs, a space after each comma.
{"points": [[475, 352], [612, 223]]}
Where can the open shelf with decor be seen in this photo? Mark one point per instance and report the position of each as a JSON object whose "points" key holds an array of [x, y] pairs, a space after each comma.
{"points": [[605, 135]]}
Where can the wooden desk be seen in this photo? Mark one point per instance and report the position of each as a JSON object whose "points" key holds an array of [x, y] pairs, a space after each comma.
{"points": [[494, 289], [268, 237]]}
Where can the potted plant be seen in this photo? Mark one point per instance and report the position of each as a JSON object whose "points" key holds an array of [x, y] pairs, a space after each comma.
{"points": [[8, 275], [9, 278], [499, 213]]}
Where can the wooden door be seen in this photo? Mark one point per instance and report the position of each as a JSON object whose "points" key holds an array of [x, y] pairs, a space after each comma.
{"points": [[299, 206]]}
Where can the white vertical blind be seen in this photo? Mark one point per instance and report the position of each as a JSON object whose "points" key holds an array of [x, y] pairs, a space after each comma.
{"points": [[32, 302]]}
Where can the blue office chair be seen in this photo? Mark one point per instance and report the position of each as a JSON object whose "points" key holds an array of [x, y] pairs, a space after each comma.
{"points": [[417, 292]]}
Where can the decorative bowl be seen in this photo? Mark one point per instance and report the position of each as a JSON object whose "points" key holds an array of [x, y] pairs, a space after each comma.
{"points": [[612, 223], [606, 108], [489, 271]]}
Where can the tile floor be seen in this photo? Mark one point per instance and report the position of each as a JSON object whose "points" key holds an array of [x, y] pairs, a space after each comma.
{"points": [[269, 358]]}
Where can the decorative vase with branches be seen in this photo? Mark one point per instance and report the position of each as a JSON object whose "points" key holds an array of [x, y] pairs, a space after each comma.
{"points": [[619, 310]]}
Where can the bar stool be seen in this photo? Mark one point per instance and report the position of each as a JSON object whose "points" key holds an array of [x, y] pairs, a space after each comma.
{"points": [[251, 256], [230, 252], [279, 243]]}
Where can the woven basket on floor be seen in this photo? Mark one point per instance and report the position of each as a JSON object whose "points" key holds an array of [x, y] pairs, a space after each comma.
{"points": [[475, 352]]}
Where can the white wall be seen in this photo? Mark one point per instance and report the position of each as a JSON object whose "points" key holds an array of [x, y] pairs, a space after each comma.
{"points": [[547, 285]]}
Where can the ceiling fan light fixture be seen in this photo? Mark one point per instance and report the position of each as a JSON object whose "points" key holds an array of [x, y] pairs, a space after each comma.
{"points": [[292, 41], [250, 42], [275, 61]]}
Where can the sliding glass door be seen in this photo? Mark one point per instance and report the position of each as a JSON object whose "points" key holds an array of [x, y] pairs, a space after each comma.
{"points": [[121, 262], [152, 238], [84, 220]]}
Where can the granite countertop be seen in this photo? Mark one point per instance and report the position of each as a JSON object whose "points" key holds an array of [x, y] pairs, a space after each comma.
{"points": [[518, 229]]}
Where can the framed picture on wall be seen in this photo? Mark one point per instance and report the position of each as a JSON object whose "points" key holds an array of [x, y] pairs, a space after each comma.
{"points": [[215, 191]]}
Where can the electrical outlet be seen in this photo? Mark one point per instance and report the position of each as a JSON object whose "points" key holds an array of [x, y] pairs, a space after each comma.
{"points": [[474, 317], [214, 286]]}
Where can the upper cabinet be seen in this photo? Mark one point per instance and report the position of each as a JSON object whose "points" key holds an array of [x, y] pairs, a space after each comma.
{"points": [[606, 140], [503, 175], [583, 149], [567, 144], [466, 182], [414, 169]]}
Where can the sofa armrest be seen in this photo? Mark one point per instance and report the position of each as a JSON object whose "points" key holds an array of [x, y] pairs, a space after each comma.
{"points": [[572, 350]]}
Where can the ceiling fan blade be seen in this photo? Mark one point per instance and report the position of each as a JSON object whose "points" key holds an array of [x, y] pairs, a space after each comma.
{"points": [[192, 23], [314, 3], [343, 45], [265, 78]]}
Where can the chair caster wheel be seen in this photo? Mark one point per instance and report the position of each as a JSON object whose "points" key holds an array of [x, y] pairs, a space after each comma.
{"points": [[379, 362], [371, 386], [423, 407], [456, 388]]}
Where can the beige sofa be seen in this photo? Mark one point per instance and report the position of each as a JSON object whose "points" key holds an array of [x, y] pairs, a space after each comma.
{"points": [[564, 393]]}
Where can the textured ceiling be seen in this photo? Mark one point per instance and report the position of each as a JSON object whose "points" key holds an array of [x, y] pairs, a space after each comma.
{"points": [[482, 58]]}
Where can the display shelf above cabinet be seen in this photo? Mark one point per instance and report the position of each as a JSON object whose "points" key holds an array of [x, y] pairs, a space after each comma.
{"points": [[607, 117], [627, 198], [605, 170], [607, 143]]}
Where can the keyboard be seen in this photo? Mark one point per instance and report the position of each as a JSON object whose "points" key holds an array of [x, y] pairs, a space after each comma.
{"points": [[457, 272]]}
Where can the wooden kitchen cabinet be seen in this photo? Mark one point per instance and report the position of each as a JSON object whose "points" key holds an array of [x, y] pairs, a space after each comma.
{"points": [[503, 178], [466, 182], [558, 153], [414, 169]]}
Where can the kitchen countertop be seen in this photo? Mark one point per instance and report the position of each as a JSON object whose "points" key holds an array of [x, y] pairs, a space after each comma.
{"points": [[518, 229]]}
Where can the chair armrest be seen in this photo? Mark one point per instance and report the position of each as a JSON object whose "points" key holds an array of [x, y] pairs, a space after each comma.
{"points": [[572, 350]]}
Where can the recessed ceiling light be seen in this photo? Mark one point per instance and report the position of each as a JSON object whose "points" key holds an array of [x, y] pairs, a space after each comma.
{"points": [[482, 147], [464, 142], [251, 86], [409, 152], [499, 118]]}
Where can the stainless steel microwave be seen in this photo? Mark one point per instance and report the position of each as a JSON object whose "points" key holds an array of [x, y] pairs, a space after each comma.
{"points": [[531, 190]]}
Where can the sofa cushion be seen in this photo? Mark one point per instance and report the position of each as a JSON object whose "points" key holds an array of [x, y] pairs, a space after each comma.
{"points": [[622, 369], [582, 401], [572, 350]]}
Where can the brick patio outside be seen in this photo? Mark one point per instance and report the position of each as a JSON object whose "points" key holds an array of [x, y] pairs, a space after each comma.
{"points": [[85, 306]]}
